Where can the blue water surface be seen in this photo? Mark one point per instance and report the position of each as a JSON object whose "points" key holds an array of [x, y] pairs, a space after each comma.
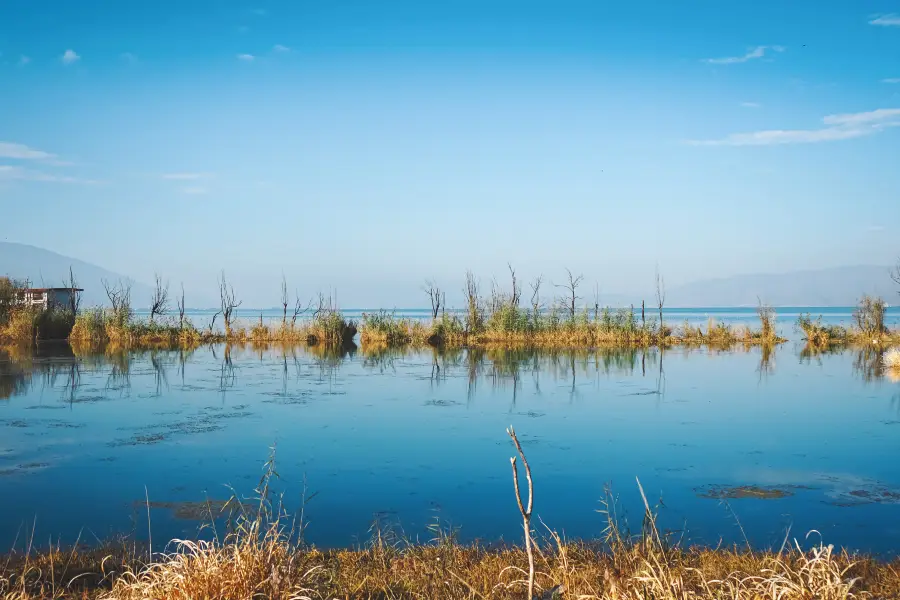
{"points": [[408, 438]]}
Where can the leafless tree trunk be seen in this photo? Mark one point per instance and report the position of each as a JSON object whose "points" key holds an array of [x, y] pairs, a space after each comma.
{"points": [[473, 320], [571, 296], [119, 295], [536, 294], [895, 274], [435, 296], [229, 303], [74, 294], [660, 298], [643, 316], [159, 301], [284, 300], [526, 512], [299, 309], [516, 290], [180, 303]]}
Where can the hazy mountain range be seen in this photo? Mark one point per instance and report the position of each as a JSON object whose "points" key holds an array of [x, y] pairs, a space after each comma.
{"points": [[838, 286], [44, 268]]}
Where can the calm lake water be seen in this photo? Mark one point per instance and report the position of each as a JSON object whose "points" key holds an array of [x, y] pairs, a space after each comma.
{"points": [[409, 437]]}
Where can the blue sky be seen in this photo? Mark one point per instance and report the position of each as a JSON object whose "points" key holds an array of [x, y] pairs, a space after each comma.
{"points": [[365, 146]]}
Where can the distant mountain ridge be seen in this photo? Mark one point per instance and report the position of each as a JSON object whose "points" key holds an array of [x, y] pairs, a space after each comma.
{"points": [[837, 286], [44, 268]]}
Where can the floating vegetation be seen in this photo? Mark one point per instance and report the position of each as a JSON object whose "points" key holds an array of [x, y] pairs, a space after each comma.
{"points": [[191, 511], [724, 492]]}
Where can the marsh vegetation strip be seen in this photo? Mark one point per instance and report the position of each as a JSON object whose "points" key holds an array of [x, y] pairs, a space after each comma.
{"points": [[772, 438]]}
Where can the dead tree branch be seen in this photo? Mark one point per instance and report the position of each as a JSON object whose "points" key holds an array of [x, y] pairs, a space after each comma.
{"points": [[571, 296], [228, 303], [159, 301], [526, 512], [435, 295], [74, 294], [660, 298]]}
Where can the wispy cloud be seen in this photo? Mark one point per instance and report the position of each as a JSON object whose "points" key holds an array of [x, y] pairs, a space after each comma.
{"points": [[891, 20], [69, 57], [245, 57], [875, 228], [22, 152], [752, 53], [259, 12], [751, 104], [280, 48], [184, 176], [891, 80], [195, 190], [24, 60], [128, 57], [14, 172], [836, 127]]}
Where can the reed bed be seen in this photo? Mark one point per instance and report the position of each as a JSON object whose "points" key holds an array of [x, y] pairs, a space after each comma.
{"points": [[868, 328], [548, 330]]}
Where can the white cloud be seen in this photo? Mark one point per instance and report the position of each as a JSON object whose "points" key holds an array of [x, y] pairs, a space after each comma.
{"points": [[891, 80], [751, 104], [24, 60], [259, 12], [22, 152], [837, 127], [875, 228], [245, 57], [69, 57], [752, 53], [891, 20], [194, 190], [184, 176], [128, 57], [12, 172], [280, 48]]}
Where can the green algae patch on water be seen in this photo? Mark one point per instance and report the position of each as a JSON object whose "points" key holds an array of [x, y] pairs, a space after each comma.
{"points": [[738, 492]]}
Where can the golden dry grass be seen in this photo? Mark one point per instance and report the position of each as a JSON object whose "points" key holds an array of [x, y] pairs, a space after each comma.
{"points": [[260, 562]]}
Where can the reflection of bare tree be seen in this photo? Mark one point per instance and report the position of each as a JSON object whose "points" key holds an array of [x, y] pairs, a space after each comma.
{"points": [[869, 364], [661, 377], [13, 378], [766, 363], [159, 372], [119, 378]]}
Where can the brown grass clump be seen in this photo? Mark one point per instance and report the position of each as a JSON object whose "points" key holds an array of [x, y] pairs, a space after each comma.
{"points": [[262, 561]]}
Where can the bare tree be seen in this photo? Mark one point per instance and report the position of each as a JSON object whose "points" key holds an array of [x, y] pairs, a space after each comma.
{"points": [[660, 297], [74, 293], [536, 296], [180, 303], [298, 308], [284, 300], [228, 302], [571, 296], [119, 295], [473, 318], [526, 512], [159, 301], [435, 295], [516, 290], [895, 274]]}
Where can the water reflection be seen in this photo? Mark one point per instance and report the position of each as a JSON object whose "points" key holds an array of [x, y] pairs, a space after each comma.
{"points": [[418, 429], [58, 367]]}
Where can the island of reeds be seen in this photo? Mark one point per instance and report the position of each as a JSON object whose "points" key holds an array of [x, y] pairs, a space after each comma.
{"points": [[500, 317]]}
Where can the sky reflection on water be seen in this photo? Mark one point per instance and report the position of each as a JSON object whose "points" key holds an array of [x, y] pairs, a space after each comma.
{"points": [[774, 440]]}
